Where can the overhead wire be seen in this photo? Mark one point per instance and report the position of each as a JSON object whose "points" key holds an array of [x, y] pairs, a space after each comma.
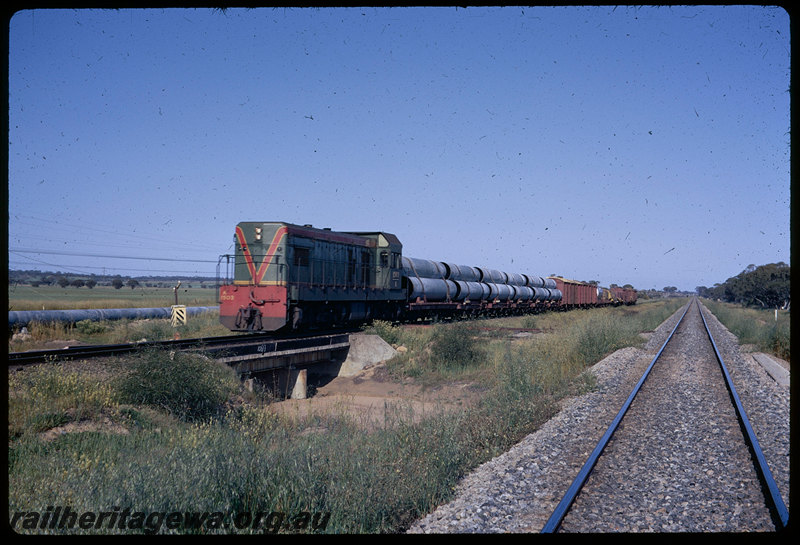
{"points": [[128, 240], [84, 269], [76, 254], [126, 237]]}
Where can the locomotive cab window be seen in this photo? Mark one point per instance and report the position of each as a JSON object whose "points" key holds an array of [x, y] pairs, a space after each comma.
{"points": [[384, 259]]}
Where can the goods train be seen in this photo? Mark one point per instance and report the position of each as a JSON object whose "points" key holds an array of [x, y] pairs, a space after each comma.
{"points": [[288, 277]]}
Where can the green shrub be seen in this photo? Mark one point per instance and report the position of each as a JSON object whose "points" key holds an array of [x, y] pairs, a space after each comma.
{"points": [[187, 385], [454, 348], [385, 330], [529, 321], [600, 334], [89, 327]]}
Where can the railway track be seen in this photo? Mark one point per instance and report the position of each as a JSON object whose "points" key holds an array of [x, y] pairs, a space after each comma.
{"points": [[681, 454], [519, 490]]}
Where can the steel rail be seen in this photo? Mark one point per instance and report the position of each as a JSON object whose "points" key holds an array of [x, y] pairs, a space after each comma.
{"points": [[566, 502], [17, 359], [98, 350], [775, 503]]}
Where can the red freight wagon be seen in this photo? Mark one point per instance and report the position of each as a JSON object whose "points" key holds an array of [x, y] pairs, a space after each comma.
{"points": [[626, 295], [575, 293]]}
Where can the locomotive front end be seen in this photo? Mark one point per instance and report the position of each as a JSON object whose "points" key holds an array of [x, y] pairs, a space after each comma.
{"points": [[257, 298]]}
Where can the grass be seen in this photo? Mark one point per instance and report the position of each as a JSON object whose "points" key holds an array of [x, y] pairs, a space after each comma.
{"points": [[756, 326], [22, 297], [194, 441], [117, 331]]}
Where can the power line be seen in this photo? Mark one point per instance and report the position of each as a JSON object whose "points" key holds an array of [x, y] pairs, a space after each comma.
{"points": [[76, 254], [47, 223], [84, 268]]}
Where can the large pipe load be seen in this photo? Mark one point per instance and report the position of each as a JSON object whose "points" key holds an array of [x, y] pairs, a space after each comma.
{"points": [[436, 281]]}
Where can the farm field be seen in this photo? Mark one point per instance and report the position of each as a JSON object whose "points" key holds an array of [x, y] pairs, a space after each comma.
{"points": [[26, 297]]}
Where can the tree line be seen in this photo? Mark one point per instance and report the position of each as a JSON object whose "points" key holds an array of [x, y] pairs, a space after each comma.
{"points": [[38, 278], [763, 286]]}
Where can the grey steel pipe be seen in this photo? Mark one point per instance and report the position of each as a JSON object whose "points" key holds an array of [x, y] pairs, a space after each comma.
{"points": [[504, 292], [516, 279], [431, 289], [462, 290], [461, 272], [535, 281], [524, 293], [24, 317], [423, 268], [492, 276]]}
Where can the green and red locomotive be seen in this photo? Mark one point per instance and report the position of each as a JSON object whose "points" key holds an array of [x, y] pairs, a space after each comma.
{"points": [[292, 275]]}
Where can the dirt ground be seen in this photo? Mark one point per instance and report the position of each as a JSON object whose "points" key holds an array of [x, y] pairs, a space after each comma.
{"points": [[372, 395]]}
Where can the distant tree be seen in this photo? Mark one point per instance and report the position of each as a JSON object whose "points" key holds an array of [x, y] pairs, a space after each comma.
{"points": [[628, 286], [91, 283], [133, 283], [117, 283], [63, 281], [764, 286], [78, 283], [670, 289]]}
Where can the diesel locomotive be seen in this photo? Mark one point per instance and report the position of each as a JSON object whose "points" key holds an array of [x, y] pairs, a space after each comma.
{"points": [[284, 276]]}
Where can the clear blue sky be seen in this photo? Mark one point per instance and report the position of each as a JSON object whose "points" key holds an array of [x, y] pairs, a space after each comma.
{"points": [[647, 145]]}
